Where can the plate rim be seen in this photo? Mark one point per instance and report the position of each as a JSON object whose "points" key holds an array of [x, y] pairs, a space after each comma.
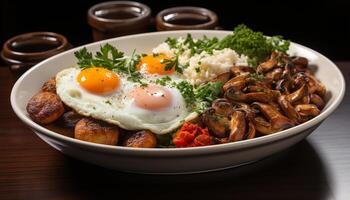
{"points": [[176, 151]]}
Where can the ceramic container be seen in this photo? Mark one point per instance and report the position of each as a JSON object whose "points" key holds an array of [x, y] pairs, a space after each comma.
{"points": [[172, 160], [116, 18], [23, 51], [186, 18]]}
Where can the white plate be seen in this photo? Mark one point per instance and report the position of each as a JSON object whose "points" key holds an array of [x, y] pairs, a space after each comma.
{"points": [[186, 160]]}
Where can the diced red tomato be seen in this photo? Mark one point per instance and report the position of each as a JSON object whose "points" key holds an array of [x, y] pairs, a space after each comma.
{"points": [[192, 135]]}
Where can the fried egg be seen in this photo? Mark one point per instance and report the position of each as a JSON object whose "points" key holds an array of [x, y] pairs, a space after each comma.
{"points": [[102, 94], [154, 65]]}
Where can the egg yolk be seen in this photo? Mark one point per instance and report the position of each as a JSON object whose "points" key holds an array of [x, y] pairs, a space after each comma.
{"points": [[98, 80], [153, 64], [152, 97]]}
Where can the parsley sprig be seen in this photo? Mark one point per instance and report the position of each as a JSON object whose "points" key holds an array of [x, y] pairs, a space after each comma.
{"points": [[173, 63], [111, 58], [200, 98], [84, 57]]}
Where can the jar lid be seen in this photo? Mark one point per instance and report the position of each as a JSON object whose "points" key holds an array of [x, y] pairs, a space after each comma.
{"points": [[33, 47], [185, 18], [118, 14]]}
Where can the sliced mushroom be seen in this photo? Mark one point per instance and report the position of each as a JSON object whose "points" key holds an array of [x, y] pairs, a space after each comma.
{"points": [[298, 94], [301, 61], [249, 112], [238, 82], [239, 96], [267, 65], [282, 86], [287, 72], [216, 124], [223, 107], [257, 88], [300, 79], [262, 126], [259, 96], [276, 106], [315, 86], [288, 109], [237, 126], [304, 100], [222, 78], [251, 131], [277, 121], [235, 95], [241, 70], [301, 95], [307, 110], [275, 74], [317, 100], [287, 95]]}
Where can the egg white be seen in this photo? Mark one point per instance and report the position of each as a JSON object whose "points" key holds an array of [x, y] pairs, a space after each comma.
{"points": [[118, 108]]}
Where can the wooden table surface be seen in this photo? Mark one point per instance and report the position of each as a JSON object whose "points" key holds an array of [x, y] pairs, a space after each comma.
{"points": [[316, 168]]}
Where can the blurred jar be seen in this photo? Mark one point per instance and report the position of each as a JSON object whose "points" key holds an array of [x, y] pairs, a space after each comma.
{"points": [[24, 51], [185, 18], [117, 18]]}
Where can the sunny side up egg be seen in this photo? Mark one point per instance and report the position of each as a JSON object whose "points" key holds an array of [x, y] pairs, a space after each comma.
{"points": [[102, 94]]}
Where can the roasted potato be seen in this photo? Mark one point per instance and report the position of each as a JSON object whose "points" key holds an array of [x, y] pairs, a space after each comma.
{"points": [[49, 86], [92, 130], [141, 139], [45, 107]]}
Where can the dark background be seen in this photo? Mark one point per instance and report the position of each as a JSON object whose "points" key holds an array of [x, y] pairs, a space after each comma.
{"points": [[320, 25]]}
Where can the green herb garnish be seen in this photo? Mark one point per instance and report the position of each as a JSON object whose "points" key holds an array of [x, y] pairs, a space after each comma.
{"points": [[187, 91], [163, 81], [209, 92], [84, 57], [206, 94], [253, 44], [172, 63], [172, 42], [111, 58], [198, 99]]}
